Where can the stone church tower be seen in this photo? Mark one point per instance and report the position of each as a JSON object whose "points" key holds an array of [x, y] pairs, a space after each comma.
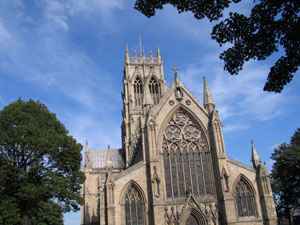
{"points": [[172, 168]]}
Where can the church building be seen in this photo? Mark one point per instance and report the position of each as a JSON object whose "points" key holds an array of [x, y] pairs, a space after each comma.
{"points": [[172, 168]]}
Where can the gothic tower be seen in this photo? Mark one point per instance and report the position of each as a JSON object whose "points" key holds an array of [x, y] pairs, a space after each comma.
{"points": [[144, 85]]}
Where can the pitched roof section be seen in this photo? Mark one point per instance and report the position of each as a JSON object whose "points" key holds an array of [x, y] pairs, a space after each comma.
{"points": [[98, 158]]}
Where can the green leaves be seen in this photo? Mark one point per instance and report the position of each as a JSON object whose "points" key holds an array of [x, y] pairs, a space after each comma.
{"points": [[285, 176], [271, 24], [39, 160]]}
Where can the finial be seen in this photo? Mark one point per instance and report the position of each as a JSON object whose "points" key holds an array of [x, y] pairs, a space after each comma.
{"points": [[175, 71], [135, 53], [151, 53]]}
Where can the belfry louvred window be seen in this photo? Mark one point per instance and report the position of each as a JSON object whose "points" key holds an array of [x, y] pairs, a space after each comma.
{"points": [[244, 198], [134, 207], [154, 90], [138, 92], [187, 160]]}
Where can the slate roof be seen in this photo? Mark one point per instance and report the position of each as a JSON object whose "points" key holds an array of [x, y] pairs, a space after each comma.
{"points": [[98, 158]]}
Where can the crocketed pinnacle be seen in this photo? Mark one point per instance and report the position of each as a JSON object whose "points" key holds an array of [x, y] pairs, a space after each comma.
{"points": [[255, 158], [207, 95]]}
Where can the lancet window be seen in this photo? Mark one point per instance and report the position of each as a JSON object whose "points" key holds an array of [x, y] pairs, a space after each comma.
{"points": [[187, 161], [244, 198], [154, 90], [134, 207], [138, 92]]}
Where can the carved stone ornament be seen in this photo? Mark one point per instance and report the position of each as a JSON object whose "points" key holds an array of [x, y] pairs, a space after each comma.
{"points": [[188, 102], [171, 102]]}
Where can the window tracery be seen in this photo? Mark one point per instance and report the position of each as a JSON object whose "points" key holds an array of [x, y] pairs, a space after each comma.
{"points": [[134, 207], [244, 198], [138, 92], [187, 162], [154, 90]]}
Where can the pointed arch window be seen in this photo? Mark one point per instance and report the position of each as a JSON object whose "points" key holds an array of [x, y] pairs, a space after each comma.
{"points": [[134, 207], [138, 92], [154, 90], [187, 161], [244, 199]]}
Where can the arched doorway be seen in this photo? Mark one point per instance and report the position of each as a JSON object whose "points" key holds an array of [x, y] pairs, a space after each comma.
{"points": [[192, 221]]}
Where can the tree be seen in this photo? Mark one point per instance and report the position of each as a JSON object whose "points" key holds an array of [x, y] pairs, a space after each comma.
{"points": [[39, 161], [48, 213], [272, 25], [285, 176]]}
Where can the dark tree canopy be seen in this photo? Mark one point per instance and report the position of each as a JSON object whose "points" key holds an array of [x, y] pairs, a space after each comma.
{"points": [[39, 161], [285, 176], [272, 24]]}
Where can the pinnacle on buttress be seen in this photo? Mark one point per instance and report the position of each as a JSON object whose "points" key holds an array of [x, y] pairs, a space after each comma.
{"points": [[135, 53], [147, 100], [208, 100], [255, 158], [86, 155], [108, 158], [151, 55]]}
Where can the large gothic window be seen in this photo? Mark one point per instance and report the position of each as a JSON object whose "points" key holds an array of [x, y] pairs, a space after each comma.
{"points": [[154, 90], [134, 207], [244, 199], [138, 92], [187, 161]]}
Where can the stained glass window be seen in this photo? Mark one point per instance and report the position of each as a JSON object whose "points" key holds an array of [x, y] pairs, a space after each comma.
{"points": [[134, 207], [186, 158], [244, 198]]}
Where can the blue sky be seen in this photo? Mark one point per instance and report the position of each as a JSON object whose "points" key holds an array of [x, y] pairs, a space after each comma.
{"points": [[69, 54]]}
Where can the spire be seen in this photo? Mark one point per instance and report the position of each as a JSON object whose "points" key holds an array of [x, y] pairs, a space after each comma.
{"points": [[108, 159], [151, 55], [147, 100], [208, 100], [255, 158]]}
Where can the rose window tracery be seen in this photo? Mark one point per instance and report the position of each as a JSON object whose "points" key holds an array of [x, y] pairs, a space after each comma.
{"points": [[187, 160]]}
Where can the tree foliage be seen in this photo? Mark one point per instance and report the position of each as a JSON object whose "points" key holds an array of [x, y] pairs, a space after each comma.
{"points": [[39, 161], [270, 26], [48, 213], [285, 176]]}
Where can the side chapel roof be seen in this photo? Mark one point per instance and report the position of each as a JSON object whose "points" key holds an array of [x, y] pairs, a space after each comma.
{"points": [[98, 158]]}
